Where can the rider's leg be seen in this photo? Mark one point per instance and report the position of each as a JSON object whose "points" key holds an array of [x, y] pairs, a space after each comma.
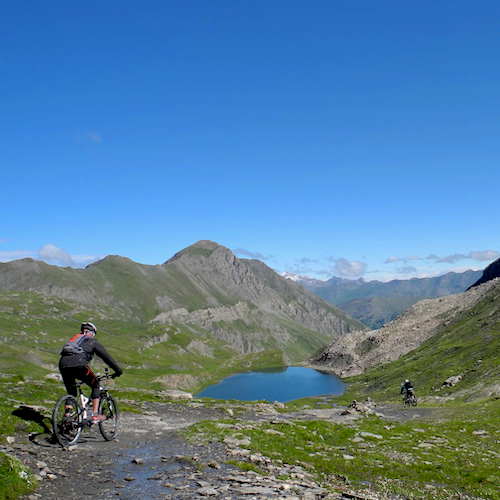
{"points": [[69, 379], [91, 380], [69, 376], [95, 411]]}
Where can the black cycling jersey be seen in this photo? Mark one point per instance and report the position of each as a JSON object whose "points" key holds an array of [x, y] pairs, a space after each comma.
{"points": [[406, 386], [90, 347]]}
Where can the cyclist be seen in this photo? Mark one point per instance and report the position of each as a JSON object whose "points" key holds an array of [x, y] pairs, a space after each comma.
{"points": [[76, 355], [406, 388]]}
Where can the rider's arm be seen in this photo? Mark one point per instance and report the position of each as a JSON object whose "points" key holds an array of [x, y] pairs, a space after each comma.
{"points": [[106, 357]]}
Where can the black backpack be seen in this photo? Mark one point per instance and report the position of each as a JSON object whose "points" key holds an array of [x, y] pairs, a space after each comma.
{"points": [[73, 346]]}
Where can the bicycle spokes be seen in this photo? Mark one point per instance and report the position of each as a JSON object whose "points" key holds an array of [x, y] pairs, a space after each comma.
{"points": [[109, 410], [66, 421]]}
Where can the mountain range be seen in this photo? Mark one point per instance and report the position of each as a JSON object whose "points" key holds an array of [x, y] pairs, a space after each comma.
{"points": [[204, 288], [375, 303], [459, 330]]}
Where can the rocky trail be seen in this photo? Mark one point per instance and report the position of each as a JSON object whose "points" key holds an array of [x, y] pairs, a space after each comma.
{"points": [[151, 458]]}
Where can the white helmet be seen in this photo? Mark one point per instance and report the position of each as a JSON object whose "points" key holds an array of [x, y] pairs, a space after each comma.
{"points": [[88, 326]]}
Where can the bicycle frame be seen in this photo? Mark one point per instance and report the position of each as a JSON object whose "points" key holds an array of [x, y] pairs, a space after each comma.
{"points": [[68, 426], [84, 401]]}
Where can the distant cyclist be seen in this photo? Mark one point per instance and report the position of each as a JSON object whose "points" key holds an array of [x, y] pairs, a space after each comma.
{"points": [[76, 355], [407, 388]]}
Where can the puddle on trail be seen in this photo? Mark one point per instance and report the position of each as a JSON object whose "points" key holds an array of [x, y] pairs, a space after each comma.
{"points": [[164, 469]]}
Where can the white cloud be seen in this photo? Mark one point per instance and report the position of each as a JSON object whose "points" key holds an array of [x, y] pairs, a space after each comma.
{"points": [[478, 255], [407, 270], [251, 254], [52, 254], [484, 255], [450, 259], [392, 259], [94, 137], [349, 268], [55, 255]]}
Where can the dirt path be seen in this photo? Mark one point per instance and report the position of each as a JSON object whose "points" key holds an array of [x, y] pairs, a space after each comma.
{"points": [[151, 459]]}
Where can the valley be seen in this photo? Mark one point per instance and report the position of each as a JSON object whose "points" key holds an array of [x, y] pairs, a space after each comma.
{"points": [[221, 316]]}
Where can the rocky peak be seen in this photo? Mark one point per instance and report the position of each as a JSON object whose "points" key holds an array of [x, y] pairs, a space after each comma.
{"points": [[202, 248], [112, 259], [490, 273]]}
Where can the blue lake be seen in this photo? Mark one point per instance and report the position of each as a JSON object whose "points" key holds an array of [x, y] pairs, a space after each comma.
{"points": [[279, 384]]}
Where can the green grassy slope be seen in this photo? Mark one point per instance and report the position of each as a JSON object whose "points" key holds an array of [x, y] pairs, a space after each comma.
{"points": [[469, 346], [33, 328]]}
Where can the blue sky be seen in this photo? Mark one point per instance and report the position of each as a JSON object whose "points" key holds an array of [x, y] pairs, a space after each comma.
{"points": [[357, 139]]}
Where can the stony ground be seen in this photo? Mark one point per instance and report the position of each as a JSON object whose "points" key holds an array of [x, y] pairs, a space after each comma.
{"points": [[151, 459]]}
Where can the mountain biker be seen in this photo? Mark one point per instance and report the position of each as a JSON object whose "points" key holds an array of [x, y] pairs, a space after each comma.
{"points": [[406, 387], [74, 364]]}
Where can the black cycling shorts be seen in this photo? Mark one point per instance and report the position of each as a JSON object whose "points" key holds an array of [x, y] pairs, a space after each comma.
{"points": [[83, 373]]}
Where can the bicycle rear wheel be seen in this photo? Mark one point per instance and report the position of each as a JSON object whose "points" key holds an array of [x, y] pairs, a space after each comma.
{"points": [[108, 408], [66, 421]]}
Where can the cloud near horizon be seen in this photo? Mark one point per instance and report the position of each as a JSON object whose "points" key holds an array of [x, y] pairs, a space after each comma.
{"points": [[407, 270], [249, 253], [477, 255], [349, 268], [51, 254]]}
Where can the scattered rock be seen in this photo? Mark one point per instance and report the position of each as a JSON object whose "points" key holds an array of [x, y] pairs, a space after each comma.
{"points": [[176, 394], [256, 490], [425, 445], [370, 435], [360, 407], [275, 432], [206, 491], [451, 381], [232, 441]]}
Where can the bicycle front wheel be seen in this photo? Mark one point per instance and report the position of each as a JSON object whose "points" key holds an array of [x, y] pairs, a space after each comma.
{"points": [[66, 421], [109, 426]]}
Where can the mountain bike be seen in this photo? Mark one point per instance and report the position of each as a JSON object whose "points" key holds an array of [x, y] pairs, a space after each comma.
{"points": [[410, 399], [72, 414]]}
